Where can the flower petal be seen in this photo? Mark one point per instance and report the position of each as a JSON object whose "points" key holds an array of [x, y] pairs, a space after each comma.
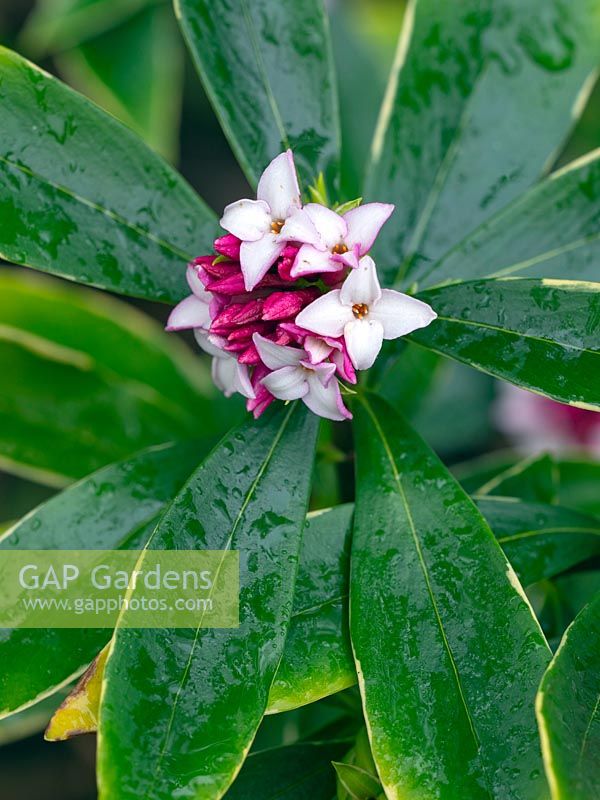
{"points": [[326, 315], [331, 228], [363, 338], [193, 312], [276, 356], [231, 377], [247, 219], [287, 383], [300, 228], [196, 284], [361, 285], [325, 372], [311, 261], [364, 223], [317, 349], [256, 258], [400, 314], [278, 186], [325, 401], [208, 343]]}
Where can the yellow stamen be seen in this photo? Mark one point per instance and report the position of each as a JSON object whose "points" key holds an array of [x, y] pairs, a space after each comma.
{"points": [[360, 310], [340, 249]]}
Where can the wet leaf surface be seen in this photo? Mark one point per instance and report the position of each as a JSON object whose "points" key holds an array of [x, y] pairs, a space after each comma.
{"points": [[267, 68], [115, 508], [539, 334], [457, 140], [567, 706], [81, 196], [195, 698], [549, 232], [438, 619]]}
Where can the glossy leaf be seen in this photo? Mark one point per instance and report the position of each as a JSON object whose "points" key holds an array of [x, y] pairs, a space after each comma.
{"points": [[89, 380], [134, 71], [268, 70], [540, 540], [114, 508], [317, 659], [567, 708], [184, 688], [292, 772], [82, 197], [539, 334], [456, 140], [118, 338], [438, 618], [549, 232]]}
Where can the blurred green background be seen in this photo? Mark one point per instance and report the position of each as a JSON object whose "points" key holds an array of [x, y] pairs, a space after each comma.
{"points": [[128, 56]]}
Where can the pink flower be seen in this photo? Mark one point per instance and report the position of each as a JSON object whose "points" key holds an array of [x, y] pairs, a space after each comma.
{"points": [[260, 223], [332, 241], [291, 302], [537, 424], [293, 376], [364, 314]]}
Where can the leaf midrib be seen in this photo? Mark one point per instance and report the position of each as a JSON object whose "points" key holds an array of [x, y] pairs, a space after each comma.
{"points": [[227, 547], [423, 565], [112, 215], [518, 334]]}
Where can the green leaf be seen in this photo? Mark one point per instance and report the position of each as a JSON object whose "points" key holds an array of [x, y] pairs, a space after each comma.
{"points": [[57, 25], [549, 232], [268, 70], [479, 101], [291, 772], [358, 783], [534, 478], [539, 334], [361, 73], [208, 685], [115, 508], [540, 540], [119, 381], [567, 708], [115, 335], [81, 196], [457, 140], [134, 71], [440, 627], [31, 720], [317, 659], [578, 485]]}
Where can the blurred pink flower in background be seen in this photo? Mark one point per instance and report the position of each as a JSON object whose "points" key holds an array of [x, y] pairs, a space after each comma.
{"points": [[534, 423]]}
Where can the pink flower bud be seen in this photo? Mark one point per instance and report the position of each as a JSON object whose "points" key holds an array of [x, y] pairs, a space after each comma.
{"points": [[229, 246], [283, 305]]}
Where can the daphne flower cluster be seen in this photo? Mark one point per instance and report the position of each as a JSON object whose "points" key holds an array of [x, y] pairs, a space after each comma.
{"points": [[290, 304]]}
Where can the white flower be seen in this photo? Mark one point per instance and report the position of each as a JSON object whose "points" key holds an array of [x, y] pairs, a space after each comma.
{"points": [[294, 377], [332, 241], [259, 223], [227, 373], [365, 314], [194, 311]]}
